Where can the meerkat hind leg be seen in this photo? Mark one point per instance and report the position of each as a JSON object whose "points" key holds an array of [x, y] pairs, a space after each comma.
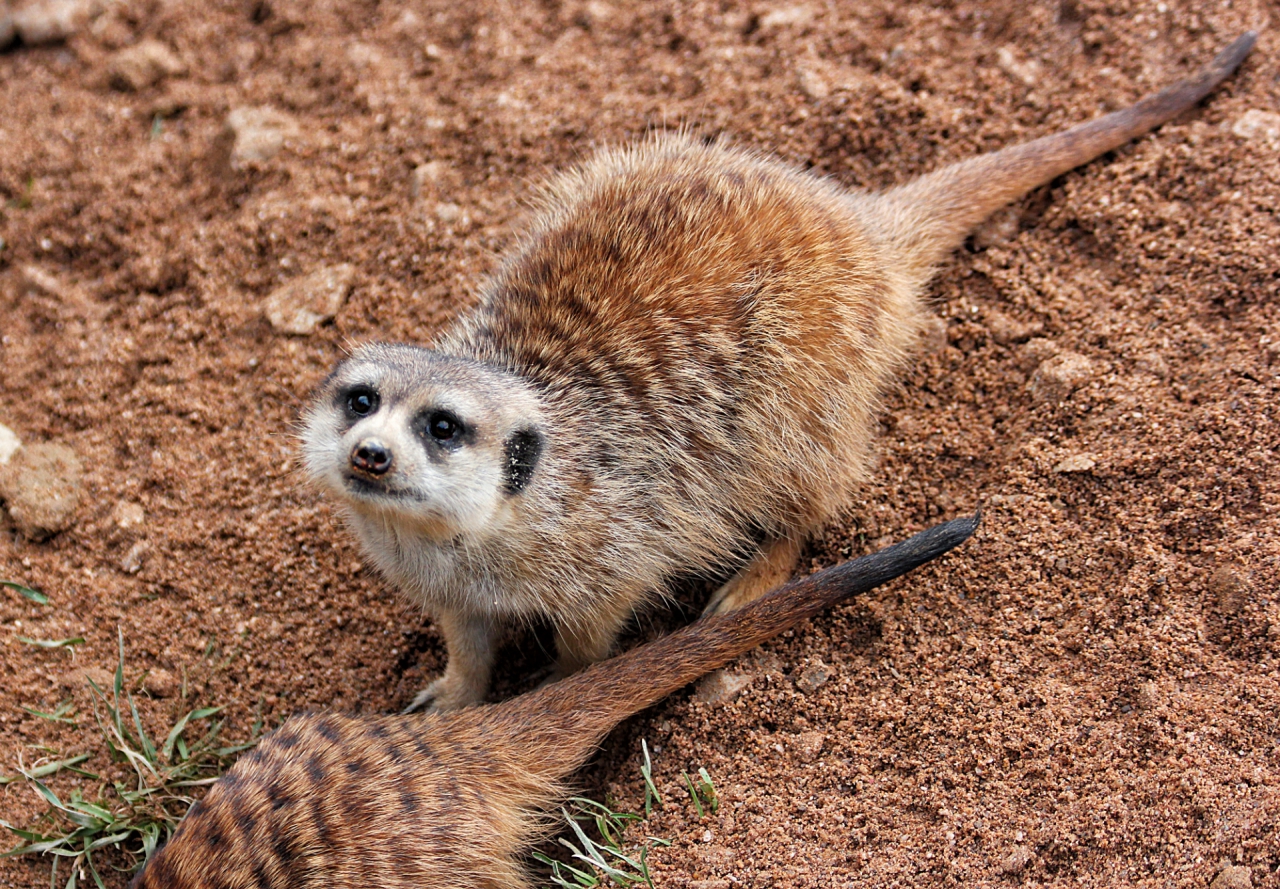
{"points": [[582, 643], [771, 567], [470, 641]]}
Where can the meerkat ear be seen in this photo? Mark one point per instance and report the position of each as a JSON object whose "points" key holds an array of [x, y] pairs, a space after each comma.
{"points": [[521, 451]]}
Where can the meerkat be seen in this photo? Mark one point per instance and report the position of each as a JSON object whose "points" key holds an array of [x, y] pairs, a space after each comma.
{"points": [[456, 798], [676, 371]]}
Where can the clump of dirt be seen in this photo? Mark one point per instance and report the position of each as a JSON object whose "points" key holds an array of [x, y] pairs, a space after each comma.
{"points": [[1088, 692]]}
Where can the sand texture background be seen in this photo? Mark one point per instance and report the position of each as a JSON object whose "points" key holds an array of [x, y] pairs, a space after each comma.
{"points": [[1088, 693]]}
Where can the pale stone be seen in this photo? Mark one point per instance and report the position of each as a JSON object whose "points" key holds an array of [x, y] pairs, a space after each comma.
{"points": [[1016, 861], [41, 484], [785, 16], [1076, 463], [1257, 124], [138, 67], [720, 687], [255, 134], [128, 515], [808, 745], [1056, 378], [303, 303], [1233, 877], [999, 228], [50, 20], [132, 561], [9, 444], [813, 677], [1026, 71]]}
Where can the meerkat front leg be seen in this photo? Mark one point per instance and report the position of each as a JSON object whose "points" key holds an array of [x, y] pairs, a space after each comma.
{"points": [[470, 641], [771, 567]]}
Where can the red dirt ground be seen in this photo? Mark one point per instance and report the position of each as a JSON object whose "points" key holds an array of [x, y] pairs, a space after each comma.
{"points": [[1088, 693]]}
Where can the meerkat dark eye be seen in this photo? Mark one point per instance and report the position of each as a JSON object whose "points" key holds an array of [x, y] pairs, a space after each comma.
{"points": [[444, 426], [362, 401]]}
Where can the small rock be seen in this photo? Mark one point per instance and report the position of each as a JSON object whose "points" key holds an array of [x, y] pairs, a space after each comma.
{"points": [[1229, 588], [1016, 861], [132, 561], [1147, 696], [430, 179], [35, 281], [448, 212], [255, 134], [1026, 71], [1233, 877], [128, 515], [1153, 363], [1006, 330], [49, 21], [809, 744], [9, 444], [785, 16], [1056, 378], [41, 485], [813, 81], [813, 677], [1000, 227], [140, 66], [304, 302], [161, 683], [1257, 124], [1076, 463], [720, 687], [1039, 349]]}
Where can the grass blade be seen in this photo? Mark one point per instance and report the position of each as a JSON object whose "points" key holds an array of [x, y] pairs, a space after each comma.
{"points": [[26, 592], [53, 643], [44, 770], [58, 715], [176, 733], [650, 789]]}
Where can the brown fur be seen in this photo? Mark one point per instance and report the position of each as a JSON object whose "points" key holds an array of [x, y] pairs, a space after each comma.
{"points": [[455, 799], [695, 337]]}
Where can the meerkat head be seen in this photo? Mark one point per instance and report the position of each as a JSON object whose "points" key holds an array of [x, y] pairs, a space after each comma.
{"points": [[414, 435]]}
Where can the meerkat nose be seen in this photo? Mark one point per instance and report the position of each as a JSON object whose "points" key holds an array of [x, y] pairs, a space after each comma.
{"points": [[371, 456]]}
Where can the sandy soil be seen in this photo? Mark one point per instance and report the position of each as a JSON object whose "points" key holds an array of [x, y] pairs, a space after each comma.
{"points": [[1088, 693]]}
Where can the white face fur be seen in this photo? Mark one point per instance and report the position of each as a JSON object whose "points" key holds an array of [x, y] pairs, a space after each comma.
{"points": [[414, 437]]}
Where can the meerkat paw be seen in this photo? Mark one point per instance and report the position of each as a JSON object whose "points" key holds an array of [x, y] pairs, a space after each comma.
{"points": [[424, 701], [769, 569], [441, 695]]}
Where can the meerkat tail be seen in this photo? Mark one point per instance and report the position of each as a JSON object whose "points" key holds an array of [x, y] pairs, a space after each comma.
{"points": [[601, 696], [931, 216]]}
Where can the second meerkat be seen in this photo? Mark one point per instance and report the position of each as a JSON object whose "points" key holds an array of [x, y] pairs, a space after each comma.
{"points": [[676, 370]]}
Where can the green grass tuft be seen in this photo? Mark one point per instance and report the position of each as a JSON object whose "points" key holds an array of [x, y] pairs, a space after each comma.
{"points": [[610, 860], [135, 815], [702, 792], [602, 862]]}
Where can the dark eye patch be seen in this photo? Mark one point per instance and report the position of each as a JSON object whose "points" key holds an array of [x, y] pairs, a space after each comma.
{"points": [[360, 401], [442, 427]]}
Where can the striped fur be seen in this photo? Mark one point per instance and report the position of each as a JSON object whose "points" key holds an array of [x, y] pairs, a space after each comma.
{"points": [[454, 799]]}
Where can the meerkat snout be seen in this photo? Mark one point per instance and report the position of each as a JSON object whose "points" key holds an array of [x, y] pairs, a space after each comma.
{"points": [[371, 456]]}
